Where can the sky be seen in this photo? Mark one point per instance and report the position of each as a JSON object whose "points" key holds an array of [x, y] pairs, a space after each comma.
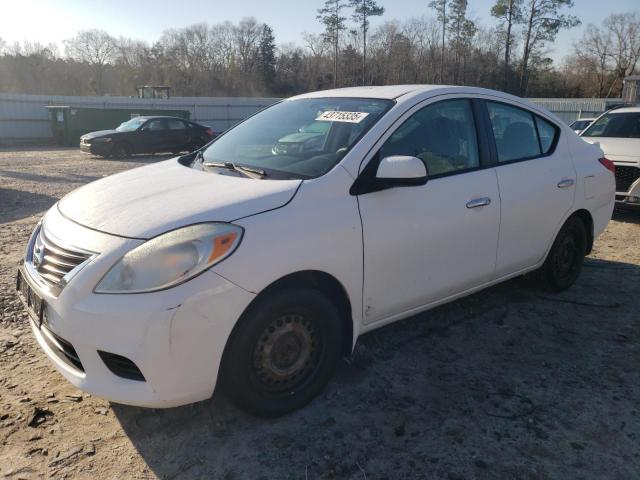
{"points": [[54, 20]]}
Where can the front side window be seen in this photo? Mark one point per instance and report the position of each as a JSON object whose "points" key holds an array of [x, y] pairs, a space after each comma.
{"points": [[302, 138], [616, 124], [514, 131], [130, 125], [443, 135], [155, 125]]}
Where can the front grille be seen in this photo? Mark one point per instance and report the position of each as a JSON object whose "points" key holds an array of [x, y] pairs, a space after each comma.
{"points": [[121, 366], [53, 262], [625, 176], [63, 348]]}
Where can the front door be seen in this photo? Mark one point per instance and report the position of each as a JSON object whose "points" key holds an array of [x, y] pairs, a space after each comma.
{"points": [[152, 137], [425, 243]]}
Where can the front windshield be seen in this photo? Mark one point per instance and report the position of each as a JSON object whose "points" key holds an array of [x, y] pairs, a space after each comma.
{"points": [[617, 125], [130, 125], [580, 124], [298, 138]]}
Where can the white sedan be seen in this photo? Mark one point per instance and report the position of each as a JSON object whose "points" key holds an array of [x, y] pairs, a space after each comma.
{"points": [[257, 262]]}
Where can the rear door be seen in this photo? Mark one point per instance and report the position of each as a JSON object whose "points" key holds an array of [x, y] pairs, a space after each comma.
{"points": [[178, 135], [537, 181]]}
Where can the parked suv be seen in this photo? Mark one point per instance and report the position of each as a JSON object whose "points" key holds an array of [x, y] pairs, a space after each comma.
{"points": [[256, 268], [617, 133]]}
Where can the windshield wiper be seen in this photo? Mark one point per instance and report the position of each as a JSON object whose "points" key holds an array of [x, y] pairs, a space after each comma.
{"points": [[248, 171]]}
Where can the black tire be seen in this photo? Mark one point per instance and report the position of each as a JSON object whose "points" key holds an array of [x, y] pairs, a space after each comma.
{"points": [[120, 150], [564, 262], [283, 352]]}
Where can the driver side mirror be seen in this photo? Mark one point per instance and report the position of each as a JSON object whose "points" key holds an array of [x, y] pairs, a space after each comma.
{"points": [[400, 170], [392, 171]]}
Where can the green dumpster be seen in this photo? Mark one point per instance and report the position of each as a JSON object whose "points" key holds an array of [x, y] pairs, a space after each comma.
{"points": [[69, 123]]}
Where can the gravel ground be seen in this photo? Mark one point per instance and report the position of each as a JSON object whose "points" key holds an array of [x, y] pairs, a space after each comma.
{"points": [[508, 383]]}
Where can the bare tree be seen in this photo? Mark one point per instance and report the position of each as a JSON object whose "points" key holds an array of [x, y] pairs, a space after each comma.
{"points": [[331, 17], [592, 58], [363, 10], [625, 50], [247, 39], [95, 47]]}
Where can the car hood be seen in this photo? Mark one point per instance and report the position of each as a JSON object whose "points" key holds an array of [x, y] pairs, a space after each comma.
{"points": [[100, 133], [147, 201], [618, 147]]}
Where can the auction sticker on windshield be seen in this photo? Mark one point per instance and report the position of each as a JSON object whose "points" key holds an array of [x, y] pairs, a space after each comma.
{"points": [[348, 117]]}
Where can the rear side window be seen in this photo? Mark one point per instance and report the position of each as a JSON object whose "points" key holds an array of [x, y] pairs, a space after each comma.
{"points": [[443, 135], [514, 131], [176, 124], [547, 132]]}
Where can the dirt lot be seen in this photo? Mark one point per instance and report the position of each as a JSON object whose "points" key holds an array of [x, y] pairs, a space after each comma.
{"points": [[508, 383]]}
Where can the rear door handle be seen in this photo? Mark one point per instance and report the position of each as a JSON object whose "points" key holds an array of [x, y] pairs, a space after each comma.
{"points": [[568, 182], [478, 202]]}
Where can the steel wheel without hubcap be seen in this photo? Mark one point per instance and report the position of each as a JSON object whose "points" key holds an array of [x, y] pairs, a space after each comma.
{"points": [[286, 353], [282, 352], [563, 265]]}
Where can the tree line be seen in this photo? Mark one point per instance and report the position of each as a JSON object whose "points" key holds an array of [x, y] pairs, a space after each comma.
{"points": [[445, 46]]}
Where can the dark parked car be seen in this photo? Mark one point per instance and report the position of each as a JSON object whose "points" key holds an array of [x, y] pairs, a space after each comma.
{"points": [[147, 135]]}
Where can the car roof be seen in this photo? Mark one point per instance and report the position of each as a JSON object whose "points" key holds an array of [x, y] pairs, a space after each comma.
{"points": [[154, 117], [625, 110], [405, 93], [386, 92]]}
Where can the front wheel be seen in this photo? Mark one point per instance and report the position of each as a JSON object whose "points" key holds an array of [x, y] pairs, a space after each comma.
{"points": [[283, 352], [120, 150], [564, 262]]}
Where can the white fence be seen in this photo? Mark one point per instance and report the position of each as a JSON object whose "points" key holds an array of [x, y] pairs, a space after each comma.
{"points": [[25, 118], [570, 109]]}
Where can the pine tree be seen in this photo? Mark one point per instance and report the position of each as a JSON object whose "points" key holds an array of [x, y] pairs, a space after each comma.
{"points": [[334, 23], [363, 9]]}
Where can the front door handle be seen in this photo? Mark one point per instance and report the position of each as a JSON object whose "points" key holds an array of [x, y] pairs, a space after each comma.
{"points": [[479, 202], [568, 182]]}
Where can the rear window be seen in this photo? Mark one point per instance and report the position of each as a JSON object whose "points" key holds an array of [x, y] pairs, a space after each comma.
{"points": [[520, 134], [547, 132], [616, 125]]}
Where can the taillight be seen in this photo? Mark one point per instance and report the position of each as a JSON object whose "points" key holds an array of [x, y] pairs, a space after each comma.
{"points": [[608, 164], [210, 132]]}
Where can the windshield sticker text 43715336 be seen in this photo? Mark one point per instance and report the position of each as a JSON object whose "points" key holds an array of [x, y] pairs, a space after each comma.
{"points": [[336, 116]]}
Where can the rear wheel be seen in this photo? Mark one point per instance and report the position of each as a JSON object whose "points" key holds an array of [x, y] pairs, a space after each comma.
{"points": [[283, 352], [564, 262]]}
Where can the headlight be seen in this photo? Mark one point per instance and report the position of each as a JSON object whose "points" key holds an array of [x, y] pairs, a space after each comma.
{"points": [[171, 258], [101, 140]]}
